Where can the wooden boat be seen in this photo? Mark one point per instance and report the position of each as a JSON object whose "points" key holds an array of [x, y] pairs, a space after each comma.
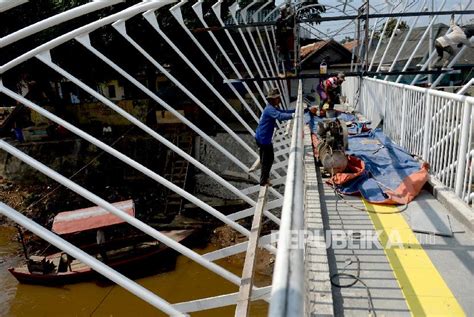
{"points": [[134, 256]]}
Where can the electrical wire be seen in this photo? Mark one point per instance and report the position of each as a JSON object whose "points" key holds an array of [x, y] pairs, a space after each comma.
{"points": [[356, 277]]}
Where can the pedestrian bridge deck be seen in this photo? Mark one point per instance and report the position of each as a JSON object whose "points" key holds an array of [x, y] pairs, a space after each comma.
{"points": [[424, 275]]}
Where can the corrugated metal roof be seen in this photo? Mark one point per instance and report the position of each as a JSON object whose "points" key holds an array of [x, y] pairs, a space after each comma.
{"points": [[90, 218], [438, 30]]}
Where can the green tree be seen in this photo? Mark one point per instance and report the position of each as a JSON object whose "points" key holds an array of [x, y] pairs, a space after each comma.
{"points": [[346, 39], [308, 10], [392, 22]]}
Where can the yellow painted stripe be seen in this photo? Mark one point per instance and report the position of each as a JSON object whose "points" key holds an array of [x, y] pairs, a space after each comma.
{"points": [[425, 291]]}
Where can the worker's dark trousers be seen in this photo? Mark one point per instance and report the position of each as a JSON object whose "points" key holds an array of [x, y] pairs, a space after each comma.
{"points": [[266, 161]]}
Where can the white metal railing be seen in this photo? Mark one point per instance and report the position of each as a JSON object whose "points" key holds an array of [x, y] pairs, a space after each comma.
{"points": [[117, 21], [434, 125], [287, 286]]}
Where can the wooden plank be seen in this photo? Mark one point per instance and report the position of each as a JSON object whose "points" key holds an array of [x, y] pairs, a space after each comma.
{"points": [[245, 290]]}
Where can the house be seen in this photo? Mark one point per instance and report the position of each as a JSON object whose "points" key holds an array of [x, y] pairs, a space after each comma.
{"points": [[336, 56]]}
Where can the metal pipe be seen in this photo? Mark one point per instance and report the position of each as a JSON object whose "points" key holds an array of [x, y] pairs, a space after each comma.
{"points": [[121, 28], [119, 213], [151, 18], [243, 14], [55, 20], [410, 30], [46, 58], [98, 266], [463, 147], [287, 290], [177, 14], [127, 160], [394, 31], [380, 41], [216, 8], [197, 7], [273, 70], [233, 10], [129, 12], [432, 54]]}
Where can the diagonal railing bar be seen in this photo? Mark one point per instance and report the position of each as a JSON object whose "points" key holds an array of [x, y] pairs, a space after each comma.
{"points": [[126, 13], [220, 301], [382, 34], [233, 10], [274, 71], [217, 11], [392, 36], [121, 28], [405, 40], [46, 58], [288, 267], [197, 7], [177, 14], [7, 5], [119, 213], [272, 44], [55, 20], [151, 18], [216, 7], [238, 248], [127, 160], [85, 258], [249, 211], [244, 15], [432, 21]]}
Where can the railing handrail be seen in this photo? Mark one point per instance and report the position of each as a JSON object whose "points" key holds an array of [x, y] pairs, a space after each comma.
{"points": [[437, 126], [433, 92], [287, 290]]}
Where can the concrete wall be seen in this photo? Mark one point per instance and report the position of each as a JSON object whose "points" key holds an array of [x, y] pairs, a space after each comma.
{"points": [[91, 113], [217, 162]]}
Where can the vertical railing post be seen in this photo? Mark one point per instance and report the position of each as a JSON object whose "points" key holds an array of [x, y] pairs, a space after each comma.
{"points": [[404, 119], [427, 126], [461, 164]]}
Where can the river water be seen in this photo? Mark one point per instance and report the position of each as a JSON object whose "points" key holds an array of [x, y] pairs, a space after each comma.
{"points": [[188, 281]]}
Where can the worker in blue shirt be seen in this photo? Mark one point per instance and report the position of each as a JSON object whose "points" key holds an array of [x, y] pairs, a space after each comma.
{"points": [[264, 133]]}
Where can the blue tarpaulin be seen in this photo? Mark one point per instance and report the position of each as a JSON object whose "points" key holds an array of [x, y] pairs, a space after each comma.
{"points": [[388, 174]]}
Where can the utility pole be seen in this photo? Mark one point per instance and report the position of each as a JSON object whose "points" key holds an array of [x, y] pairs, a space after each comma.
{"points": [[430, 47], [366, 38]]}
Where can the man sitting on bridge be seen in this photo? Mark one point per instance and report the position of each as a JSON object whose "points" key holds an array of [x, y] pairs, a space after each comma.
{"points": [[264, 133], [452, 42]]}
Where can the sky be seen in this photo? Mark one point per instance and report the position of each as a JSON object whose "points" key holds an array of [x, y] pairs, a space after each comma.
{"points": [[340, 29]]}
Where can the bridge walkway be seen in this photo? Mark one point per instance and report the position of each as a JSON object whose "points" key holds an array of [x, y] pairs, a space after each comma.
{"points": [[427, 274]]}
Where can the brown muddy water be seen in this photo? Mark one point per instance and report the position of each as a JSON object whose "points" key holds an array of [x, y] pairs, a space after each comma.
{"points": [[187, 282]]}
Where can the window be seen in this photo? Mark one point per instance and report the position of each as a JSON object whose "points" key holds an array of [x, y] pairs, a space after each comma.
{"points": [[112, 91]]}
